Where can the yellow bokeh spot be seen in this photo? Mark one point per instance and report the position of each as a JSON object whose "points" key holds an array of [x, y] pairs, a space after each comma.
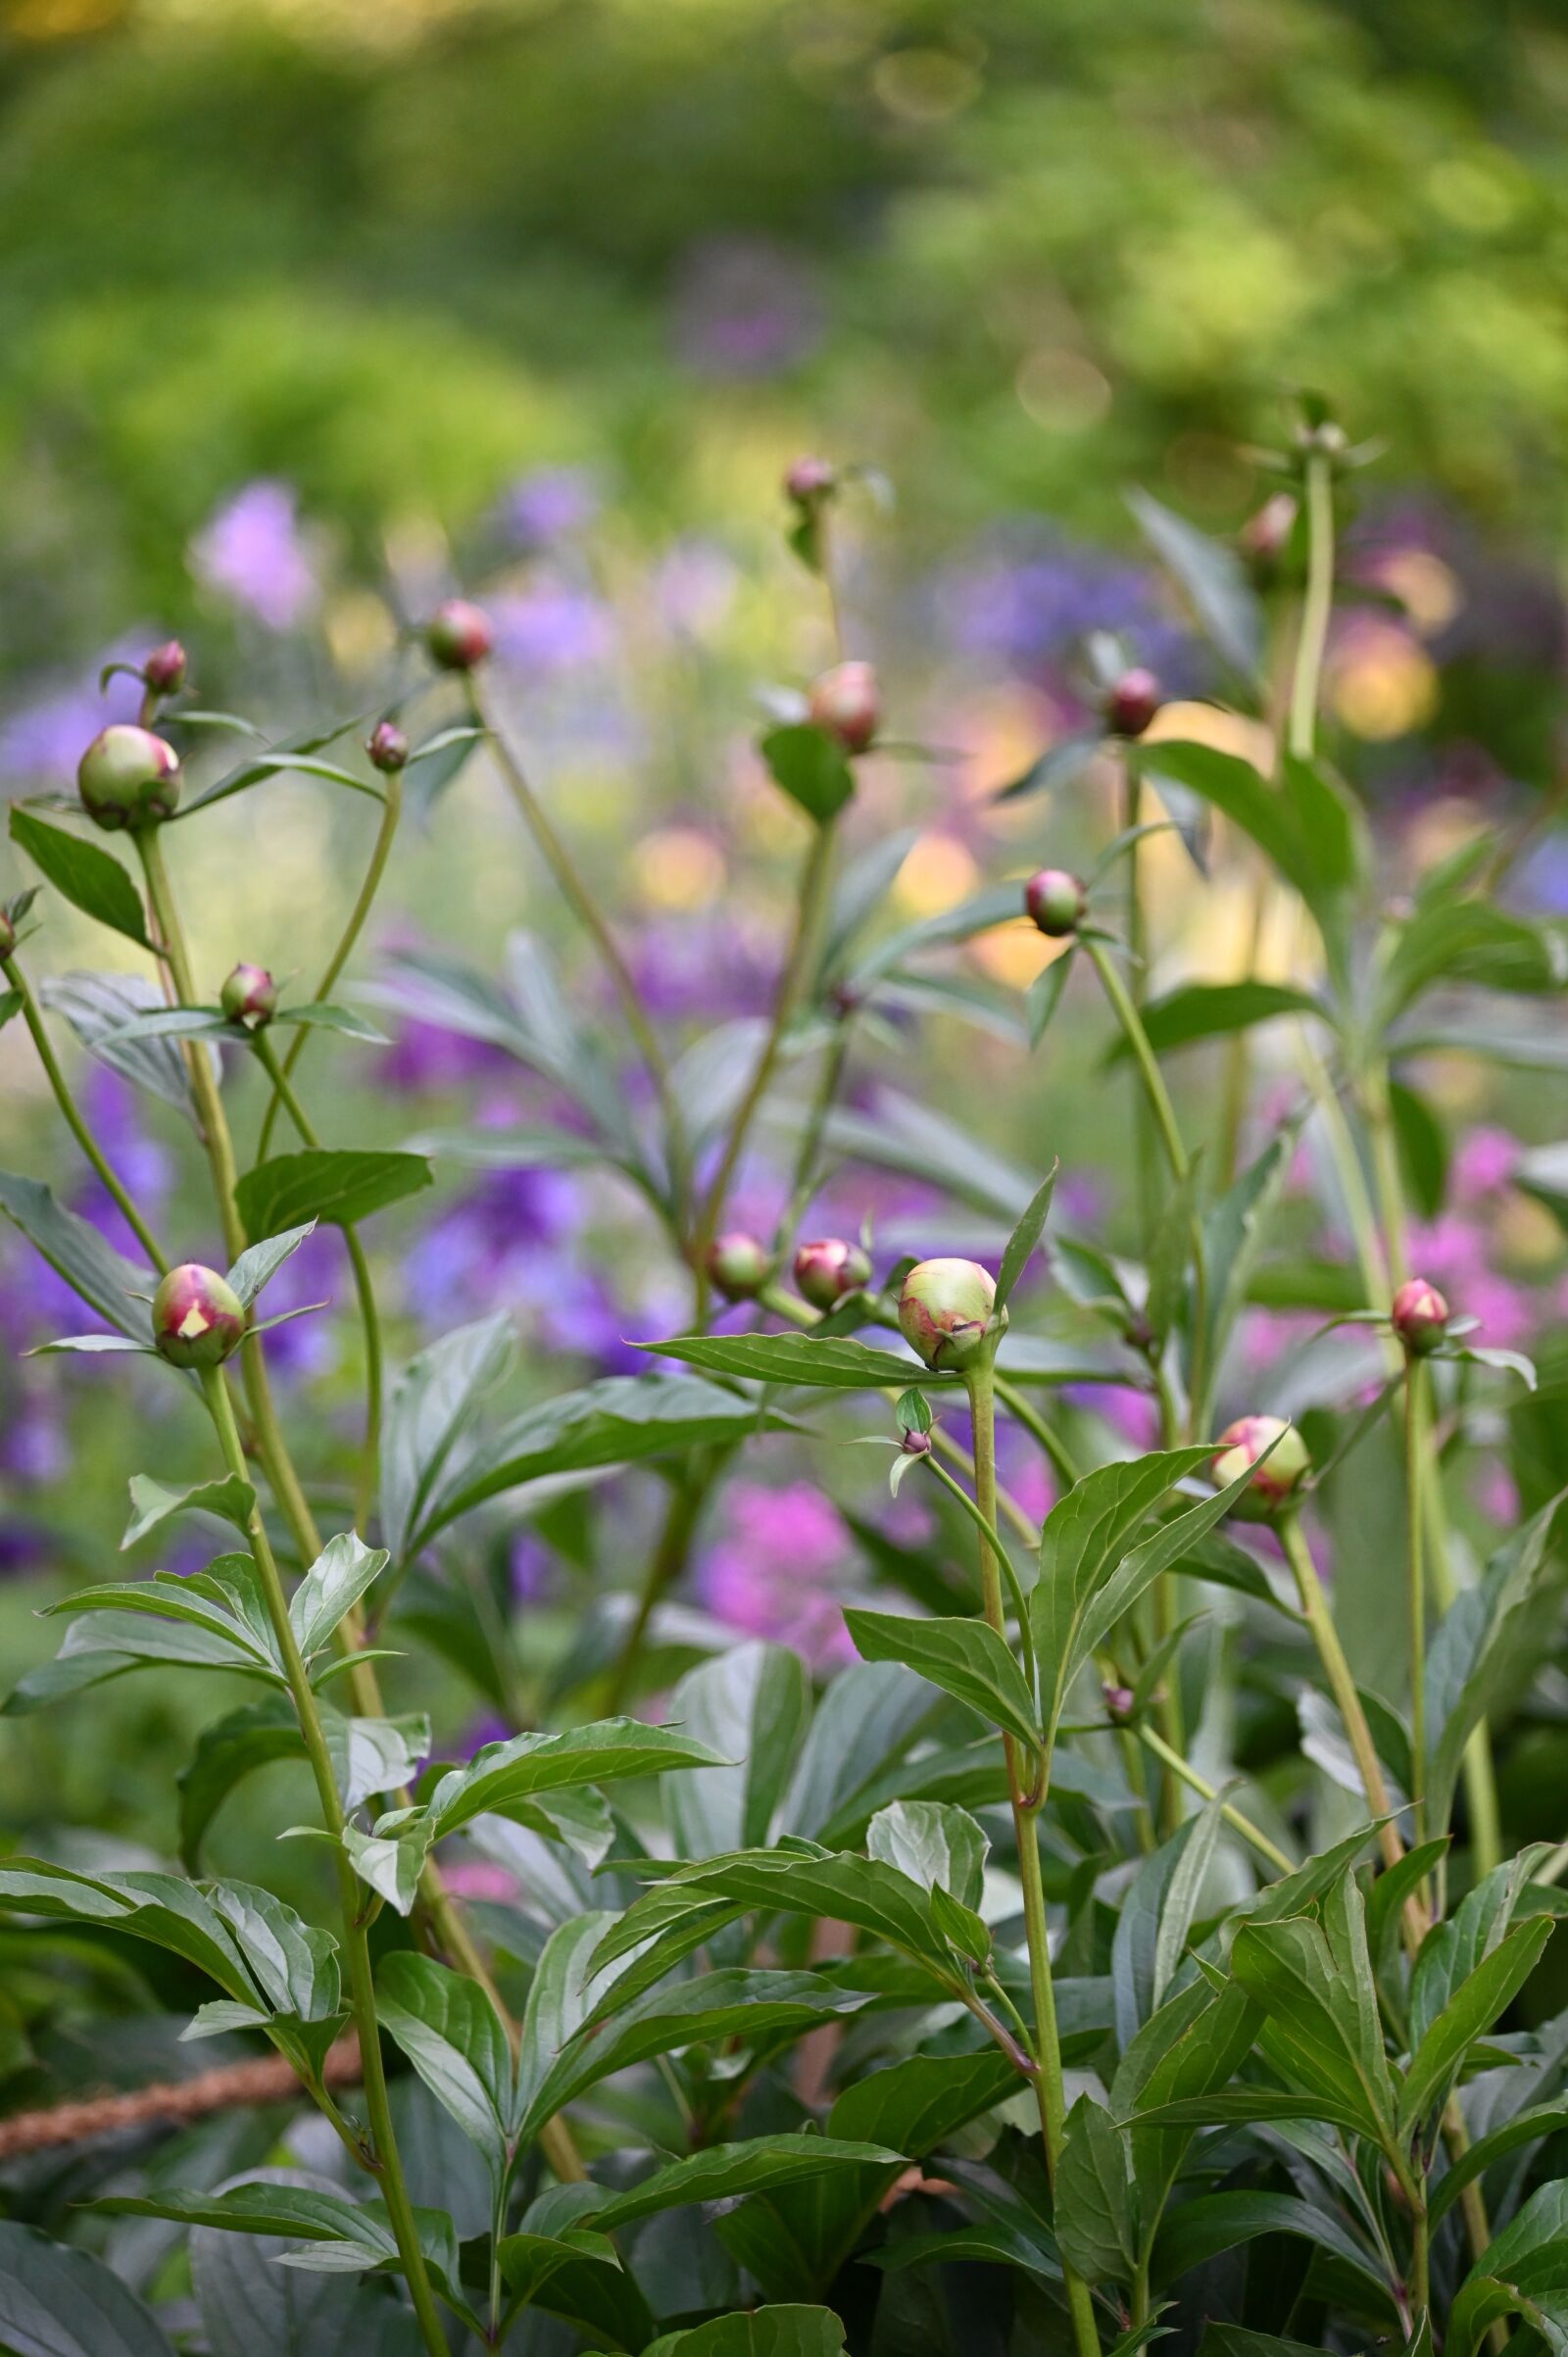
{"points": [[1382, 685], [1210, 724], [938, 873], [677, 868], [1060, 390], [1428, 589], [1527, 1234], [1015, 953], [359, 629]]}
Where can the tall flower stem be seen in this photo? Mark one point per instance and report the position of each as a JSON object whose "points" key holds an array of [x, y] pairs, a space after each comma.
{"points": [[364, 1289], [76, 1120], [1027, 1798], [1137, 991], [1416, 1423], [380, 852], [1183, 1768], [385, 2161], [1316, 608]]}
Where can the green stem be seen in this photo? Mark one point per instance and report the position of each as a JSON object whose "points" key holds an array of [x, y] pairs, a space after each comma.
{"points": [[1200, 1785], [370, 1315], [76, 1120], [1420, 2257], [1050, 2092], [1136, 1038], [1302, 732], [391, 810], [1137, 992], [989, 1533], [1415, 1589], [386, 2163], [1058, 1453]]}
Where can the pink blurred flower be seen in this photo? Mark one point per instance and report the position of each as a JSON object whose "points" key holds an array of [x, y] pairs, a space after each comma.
{"points": [[252, 550], [773, 1571], [1484, 1165]]}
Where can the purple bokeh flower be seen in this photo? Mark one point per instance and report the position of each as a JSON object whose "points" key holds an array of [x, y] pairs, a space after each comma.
{"points": [[41, 744], [550, 626], [1025, 602], [773, 1571], [550, 504], [251, 550], [746, 307]]}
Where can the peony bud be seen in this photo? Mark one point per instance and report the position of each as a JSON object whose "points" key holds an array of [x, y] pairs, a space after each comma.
{"points": [[845, 703], [948, 1312], [387, 747], [1118, 1701], [1241, 1445], [165, 668], [128, 777], [198, 1318], [1132, 702], [1055, 902], [739, 1265], [249, 996], [457, 635], [809, 482], [826, 1270], [8, 934], [1264, 537], [1419, 1316], [916, 1443]]}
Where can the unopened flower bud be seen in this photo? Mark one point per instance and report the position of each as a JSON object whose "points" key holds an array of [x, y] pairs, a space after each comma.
{"points": [[809, 482], [1419, 1316], [1242, 1445], [457, 635], [128, 777], [826, 1270], [165, 668], [1264, 537], [948, 1312], [387, 747], [1118, 1701], [1328, 438], [8, 934], [1055, 902], [1133, 703], [917, 1443], [846, 703], [739, 1265], [198, 1318], [249, 996]]}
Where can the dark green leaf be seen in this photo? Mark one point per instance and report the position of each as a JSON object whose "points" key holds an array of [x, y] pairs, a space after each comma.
{"points": [[84, 873], [966, 1658], [260, 1264], [836, 1363], [1477, 2001], [1094, 2197], [152, 1506], [340, 1187], [431, 1406], [74, 1250], [1025, 1236], [1214, 578], [503, 1774], [811, 767], [337, 1579], [445, 2025], [1207, 1010], [749, 1708], [57, 2301], [1200, 2230]]}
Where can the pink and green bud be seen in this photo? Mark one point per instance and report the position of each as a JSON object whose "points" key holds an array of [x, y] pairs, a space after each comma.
{"points": [[1119, 1704], [1133, 703], [828, 1268], [809, 482], [1245, 1444], [1266, 535], [165, 668], [1055, 902], [128, 777], [249, 996], [846, 703], [739, 1265], [387, 747], [916, 1443], [1419, 1316], [457, 635], [948, 1312], [198, 1318]]}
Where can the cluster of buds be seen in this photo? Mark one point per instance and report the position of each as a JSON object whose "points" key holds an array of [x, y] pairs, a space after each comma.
{"points": [[846, 703], [1277, 1452], [1419, 1316], [128, 777], [827, 1269], [739, 1265], [1055, 902], [457, 635], [948, 1314], [387, 747], [249, 996], [1131, 701], [198, 1318]]}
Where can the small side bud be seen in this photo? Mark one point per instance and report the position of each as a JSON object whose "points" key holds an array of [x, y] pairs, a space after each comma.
{"points": [[198, 1318], [1118, 1701], [457, 635], [1055, 902], [8, 933], [1264, 537], [828, 1268], [915, 1443], [128, 777], [809, 481], [1419, 1316], [387, 747], [249, 996], [948, 1312], [739, 1265], [846, 703], [165, 668], [1132, 702], [1242, 1445]]}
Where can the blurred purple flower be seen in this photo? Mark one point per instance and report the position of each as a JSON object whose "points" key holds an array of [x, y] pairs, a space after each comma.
{"points": [[689, 967], [550, 504], [772, 1570], [251, 551], [41, 745], [24, 1547], [32, 1443], [1484, 1165], [746, 307], [1026, 603], [694, 587], [549, 628], [424, 1056]]}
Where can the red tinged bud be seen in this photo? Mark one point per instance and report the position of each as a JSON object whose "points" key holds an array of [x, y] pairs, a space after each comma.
{"points": [[249, 996], [457, 635], [387, 747], [948, 1312], [846, 703], [165, 668], [128, 777], [1420, 1316], [826, 1270], [1133, 703], [1118, 1701], [198, 1318], [739, 1265], [809, 482], [1055, 902], [1264, 537], [917, 1443], [1242, 1445]]}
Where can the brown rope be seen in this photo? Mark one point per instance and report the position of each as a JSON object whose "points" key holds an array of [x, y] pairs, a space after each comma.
{"points": [[173, 2103]]}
